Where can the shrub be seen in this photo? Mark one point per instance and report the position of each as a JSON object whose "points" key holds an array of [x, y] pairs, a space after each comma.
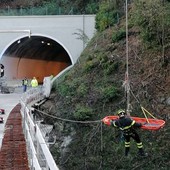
{"points": [[82, 89], [106, 17], [119, 35], [82, 112], [111, 67], [109, 93]]}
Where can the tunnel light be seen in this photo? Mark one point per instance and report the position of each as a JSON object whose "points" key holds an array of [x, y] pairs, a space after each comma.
{"points": [[42, 42], [48, 44], [19, 41]]}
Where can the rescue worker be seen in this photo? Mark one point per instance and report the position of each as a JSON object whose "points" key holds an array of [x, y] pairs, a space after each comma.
{"points": [[25, 84], [127, 126], [34, 82], [51, 77]]}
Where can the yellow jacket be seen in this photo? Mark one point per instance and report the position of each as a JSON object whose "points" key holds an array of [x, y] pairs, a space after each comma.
{"points": [[34, 82]]}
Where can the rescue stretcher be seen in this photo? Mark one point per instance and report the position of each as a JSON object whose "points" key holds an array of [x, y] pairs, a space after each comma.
{"points": [[147, 124]]}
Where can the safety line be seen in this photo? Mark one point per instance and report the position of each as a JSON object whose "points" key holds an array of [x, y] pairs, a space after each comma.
{"points": [[135, 97], [101, 137], [142, 108], [148, 112], [68, 120], [83, 122], [127, 63]]}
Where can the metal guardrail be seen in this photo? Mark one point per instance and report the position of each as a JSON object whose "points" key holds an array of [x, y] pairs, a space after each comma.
{"points": [[43, 10], [33, 95], [38, 151]]}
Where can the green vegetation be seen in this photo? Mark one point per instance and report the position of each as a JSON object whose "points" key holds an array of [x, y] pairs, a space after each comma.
{"points": [[93, 89], [119, 35], [107, 16], [51, 7], [152, 18], [82, 112]]}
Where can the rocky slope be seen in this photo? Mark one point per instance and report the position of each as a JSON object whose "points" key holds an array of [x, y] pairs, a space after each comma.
{"points": [[93, 89]]}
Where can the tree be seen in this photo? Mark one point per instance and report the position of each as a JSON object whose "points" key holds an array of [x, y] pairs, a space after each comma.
{"points": [[152, 18]]}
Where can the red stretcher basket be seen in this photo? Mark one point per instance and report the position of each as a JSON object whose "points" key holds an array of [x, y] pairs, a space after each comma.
{"points": [[147, 124]]}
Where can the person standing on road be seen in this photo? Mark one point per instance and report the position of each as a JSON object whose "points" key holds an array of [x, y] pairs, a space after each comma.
{"points": [[34, 82], [25, 84]]}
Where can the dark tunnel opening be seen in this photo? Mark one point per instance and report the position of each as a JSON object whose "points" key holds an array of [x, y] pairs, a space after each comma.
{"points": [[35, 56]]}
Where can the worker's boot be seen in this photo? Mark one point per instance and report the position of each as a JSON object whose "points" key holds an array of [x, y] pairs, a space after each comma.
{"points": [[127, 151], [142, 153]]}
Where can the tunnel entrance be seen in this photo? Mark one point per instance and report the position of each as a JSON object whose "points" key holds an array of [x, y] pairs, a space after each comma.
{"points": [[35, 56]]}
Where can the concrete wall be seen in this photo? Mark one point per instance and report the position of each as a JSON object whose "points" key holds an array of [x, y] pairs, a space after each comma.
{"points": [[60, 28]]}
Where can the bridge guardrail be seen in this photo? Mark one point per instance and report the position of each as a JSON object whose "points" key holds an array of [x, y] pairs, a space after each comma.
{"points": [[38, 151]]}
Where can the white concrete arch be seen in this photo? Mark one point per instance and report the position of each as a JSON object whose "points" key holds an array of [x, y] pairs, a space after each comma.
{"points": [[16, 57], [59, 42], [64, 30], [10, 43]]}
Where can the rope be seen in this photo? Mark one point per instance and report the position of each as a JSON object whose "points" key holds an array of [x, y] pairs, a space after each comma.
{"points": [[142, 108], [145, 114], [83, 122], [101, 145], [127, 64], [101, 136], [68, 120], [135, 98]]}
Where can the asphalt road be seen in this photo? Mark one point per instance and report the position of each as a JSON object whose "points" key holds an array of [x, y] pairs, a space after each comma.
{"points": [[8, 102]]}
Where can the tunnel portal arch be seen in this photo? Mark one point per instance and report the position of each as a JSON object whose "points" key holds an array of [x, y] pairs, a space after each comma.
{"points": [[35, 56]]}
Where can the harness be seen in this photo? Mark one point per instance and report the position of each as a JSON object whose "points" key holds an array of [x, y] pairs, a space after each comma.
{"points": [[125, 125]]}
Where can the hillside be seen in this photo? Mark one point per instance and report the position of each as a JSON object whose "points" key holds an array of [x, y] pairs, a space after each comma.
{"points": [[93, 89]]}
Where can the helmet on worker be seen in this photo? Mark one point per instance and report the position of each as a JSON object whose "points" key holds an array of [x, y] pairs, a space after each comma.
{"points": [[121, 113]]}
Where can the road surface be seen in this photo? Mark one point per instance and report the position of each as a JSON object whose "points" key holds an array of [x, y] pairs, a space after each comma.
{"points": [[8, 102]]}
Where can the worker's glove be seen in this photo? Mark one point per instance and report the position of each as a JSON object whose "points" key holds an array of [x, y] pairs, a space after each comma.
{"points": [[111, 122], [138, 125], [106, 121], [144, 123]]}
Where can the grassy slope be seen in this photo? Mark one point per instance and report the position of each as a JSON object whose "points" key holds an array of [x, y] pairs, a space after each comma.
{"points": [[93, 89]]}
